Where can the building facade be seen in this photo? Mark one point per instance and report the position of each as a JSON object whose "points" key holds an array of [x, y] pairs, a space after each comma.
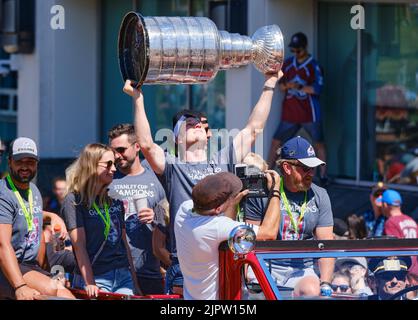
{"points": [[68, 92]]}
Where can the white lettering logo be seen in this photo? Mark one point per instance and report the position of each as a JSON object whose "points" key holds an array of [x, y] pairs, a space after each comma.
{"points": [[357, 21], [58, 20]]}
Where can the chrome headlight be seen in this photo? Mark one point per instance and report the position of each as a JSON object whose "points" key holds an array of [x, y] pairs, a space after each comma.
{"points": [[241, 240]]}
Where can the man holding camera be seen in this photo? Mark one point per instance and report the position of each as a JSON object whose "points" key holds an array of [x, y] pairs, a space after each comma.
{"points": [[204, 222], [305, 213]]}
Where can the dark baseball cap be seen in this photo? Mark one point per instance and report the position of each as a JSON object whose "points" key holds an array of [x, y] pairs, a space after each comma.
{"points": [[214, 190], [300, 149], [298, 40], [23, 148]]}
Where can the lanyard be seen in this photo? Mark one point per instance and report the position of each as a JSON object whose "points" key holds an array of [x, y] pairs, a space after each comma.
{"points": [[106, 220], [289, 212], [28, 215]]}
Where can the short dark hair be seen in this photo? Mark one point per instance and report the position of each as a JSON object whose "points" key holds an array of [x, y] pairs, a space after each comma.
{"points": [[120, 129], [187, 113]]}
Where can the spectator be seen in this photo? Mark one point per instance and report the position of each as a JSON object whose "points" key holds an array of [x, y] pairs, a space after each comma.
{"points": [[356, 268], [374, 218], [305, 210], [132, 179], [340, 229], [411, 281], [341, 283], [390, 275], [21, 219], [398, 224], [356, 227], [59, 189], [190, 164], [96, 224], [64, 258], [202, 223], [302, 84]]}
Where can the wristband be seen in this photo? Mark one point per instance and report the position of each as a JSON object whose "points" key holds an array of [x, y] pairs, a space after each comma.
{"points": [[267, 88], [21, 286]]}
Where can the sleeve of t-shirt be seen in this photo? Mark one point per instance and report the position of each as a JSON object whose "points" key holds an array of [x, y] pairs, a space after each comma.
{"points": [[72, 217], [226, 225], [325, 210], [6, 209], [254, 209], [391, 229]]}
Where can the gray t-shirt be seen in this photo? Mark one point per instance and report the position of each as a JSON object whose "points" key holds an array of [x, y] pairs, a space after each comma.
{"points": [[114, 254], [318, 212], [26, 244], [179, 179], [139, 234]]}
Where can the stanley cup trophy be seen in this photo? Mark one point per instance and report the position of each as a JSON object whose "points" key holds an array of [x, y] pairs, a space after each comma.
{"points": [[191, 50]]}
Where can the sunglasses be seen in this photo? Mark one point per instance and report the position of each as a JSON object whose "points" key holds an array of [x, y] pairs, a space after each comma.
{"points": [[304, 168], [121, 150], [297, 51], [387, 276], [343, 287], [109, 164]]}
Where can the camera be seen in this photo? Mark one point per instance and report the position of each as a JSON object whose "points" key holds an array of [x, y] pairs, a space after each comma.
{"points": [[252, 179]]}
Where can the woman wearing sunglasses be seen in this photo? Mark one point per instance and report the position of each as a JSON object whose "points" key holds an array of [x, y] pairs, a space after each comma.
{"points": [[341, 283], [96, 224]]}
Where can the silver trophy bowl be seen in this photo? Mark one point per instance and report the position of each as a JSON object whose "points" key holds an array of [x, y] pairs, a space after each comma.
{"points": [[191, 50]]}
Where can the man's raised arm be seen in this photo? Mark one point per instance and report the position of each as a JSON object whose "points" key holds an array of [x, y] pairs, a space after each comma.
{"points": [[246, 137], [152, 151]]}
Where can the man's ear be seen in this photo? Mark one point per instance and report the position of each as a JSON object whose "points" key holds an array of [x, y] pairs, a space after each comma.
{"points": [[286, 168]]}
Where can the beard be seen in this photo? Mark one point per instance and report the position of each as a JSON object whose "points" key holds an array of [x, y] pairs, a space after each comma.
{"points": [[302, 185], [16, 176]]}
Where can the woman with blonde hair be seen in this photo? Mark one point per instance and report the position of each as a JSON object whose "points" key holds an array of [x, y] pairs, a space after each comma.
{"points": [[96, 224]]}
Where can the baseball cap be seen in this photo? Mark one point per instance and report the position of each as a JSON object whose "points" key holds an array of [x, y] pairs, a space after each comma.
{"points": [[389, 264], [390, 197], [300, 149], [298, 40], [214, 190], [340, 262], [23, 147]]}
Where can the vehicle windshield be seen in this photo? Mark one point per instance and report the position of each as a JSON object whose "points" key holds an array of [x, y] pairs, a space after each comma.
{"points": [[386, 272]]}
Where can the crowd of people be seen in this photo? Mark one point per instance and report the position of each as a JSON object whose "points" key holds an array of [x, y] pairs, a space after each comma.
{"points": [[154, 227]]}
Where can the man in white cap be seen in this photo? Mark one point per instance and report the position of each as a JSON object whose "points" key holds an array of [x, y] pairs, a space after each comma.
{"points": [[306, 213], [21, 219]]}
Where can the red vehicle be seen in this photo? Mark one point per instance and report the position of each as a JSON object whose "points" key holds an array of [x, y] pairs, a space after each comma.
{"points": [[242, 252]]}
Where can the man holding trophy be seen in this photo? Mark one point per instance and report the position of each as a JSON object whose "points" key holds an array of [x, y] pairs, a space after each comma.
{"points": [[139, 39]]}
